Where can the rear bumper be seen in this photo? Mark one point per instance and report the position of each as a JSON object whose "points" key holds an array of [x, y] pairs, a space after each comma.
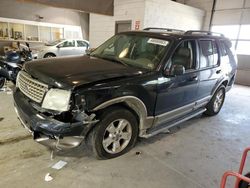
{"points": [[46, 130]]}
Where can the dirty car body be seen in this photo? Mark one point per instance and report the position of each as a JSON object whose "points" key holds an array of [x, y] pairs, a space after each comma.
{"points": [[61, 100]]}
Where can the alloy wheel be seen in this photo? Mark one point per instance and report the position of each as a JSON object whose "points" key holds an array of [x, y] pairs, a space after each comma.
{"points": [[218, 100], [117, 136]]}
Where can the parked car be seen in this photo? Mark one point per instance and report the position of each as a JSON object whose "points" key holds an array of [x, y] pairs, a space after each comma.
{"points": [[62, 47], [136, 84]]}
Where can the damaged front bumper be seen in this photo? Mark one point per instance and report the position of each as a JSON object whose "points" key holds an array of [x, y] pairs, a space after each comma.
{"points": [[47, 130]]}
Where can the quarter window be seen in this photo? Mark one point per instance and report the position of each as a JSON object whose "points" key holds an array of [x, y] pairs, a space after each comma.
{"points": [[209, 53]]}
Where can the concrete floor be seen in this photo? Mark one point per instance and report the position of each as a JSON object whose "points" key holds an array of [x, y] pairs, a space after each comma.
{"points": [[194, 155]]}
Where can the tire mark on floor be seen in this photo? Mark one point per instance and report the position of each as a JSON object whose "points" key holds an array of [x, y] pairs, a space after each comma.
{"points": [[14, 140]]}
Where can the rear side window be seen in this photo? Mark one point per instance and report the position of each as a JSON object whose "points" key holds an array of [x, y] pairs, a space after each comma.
{"points": [[227, 51], [209, 53], [81, 44]]}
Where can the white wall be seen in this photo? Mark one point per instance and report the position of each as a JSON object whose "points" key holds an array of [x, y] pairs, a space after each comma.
{"points": [[232, 12], [243, 73], [158, 13], [205, 5], [103, 27], [163, 13]]}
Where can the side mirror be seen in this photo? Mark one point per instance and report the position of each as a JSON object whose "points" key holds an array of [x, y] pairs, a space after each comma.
{"points": [[177, 70], [58, 46]]}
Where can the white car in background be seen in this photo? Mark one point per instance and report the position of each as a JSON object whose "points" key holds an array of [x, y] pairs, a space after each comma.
{"points": [[62, 47]]}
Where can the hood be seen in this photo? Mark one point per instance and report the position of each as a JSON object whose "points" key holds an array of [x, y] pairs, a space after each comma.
{"points": [[69, 72]]}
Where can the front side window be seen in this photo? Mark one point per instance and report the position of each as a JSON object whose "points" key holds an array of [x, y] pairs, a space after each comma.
{"points": [[209, 53], [185, 55], [68, 43], [133, 50]]}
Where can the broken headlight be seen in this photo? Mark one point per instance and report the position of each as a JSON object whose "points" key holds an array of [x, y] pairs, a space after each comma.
{"points": [[57, 99]]}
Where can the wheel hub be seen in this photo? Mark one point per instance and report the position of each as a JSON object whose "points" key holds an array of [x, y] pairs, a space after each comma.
{"points": [[117, 136]]}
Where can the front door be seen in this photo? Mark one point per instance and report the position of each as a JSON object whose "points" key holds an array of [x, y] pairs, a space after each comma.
{"points": [[177, 93], [66, 48]]}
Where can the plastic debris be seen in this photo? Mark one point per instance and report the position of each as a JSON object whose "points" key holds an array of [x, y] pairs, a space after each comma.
{"points": [[48, 177], [138, 153], [59, 165], [52, 155]]}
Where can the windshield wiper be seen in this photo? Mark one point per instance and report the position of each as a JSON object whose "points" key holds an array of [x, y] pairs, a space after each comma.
{"points": [[111, 59]]}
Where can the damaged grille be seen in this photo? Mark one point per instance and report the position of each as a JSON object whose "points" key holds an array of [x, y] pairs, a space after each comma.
{"points": [[30, 87]]}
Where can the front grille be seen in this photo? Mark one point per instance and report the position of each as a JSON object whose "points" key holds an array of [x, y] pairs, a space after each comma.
{"points": [[30, 87]]}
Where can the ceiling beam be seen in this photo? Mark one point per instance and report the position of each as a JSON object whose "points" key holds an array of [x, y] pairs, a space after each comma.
{"points": [[105, 7]]}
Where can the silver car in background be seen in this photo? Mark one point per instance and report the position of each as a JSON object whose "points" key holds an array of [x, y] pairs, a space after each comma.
{"points": [[62, 47]]}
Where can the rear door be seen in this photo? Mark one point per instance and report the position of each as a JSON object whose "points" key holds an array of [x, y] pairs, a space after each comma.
{"points": [[81, 47], [177, 93], [209, 69]]}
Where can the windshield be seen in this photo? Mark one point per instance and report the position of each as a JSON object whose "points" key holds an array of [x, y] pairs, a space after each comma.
{"points": [[133, 50], [55, 42]]}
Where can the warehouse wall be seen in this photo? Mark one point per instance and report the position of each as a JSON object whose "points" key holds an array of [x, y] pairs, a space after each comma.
{"points": [[228, 12], [231, 12], [243, 73], [29, 11], [103, 27], [205, 5], [169, 14], [149, 13]]}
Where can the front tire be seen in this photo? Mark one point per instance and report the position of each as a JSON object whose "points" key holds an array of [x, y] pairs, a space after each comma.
{"points": [[115, 134], [216, 103], [49, 55]]}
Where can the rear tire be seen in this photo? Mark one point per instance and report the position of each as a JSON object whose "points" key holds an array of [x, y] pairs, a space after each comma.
{"points": [[115, 133], [2, 82], [216, 103]]}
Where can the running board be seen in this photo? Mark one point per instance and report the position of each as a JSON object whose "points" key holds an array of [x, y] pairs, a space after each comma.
{"points": [[164, 127]]}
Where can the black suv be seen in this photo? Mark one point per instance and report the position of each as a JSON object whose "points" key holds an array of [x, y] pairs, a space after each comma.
{"points": [[136, 84]]}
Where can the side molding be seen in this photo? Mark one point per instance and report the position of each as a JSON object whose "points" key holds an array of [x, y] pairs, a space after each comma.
{"points": [[135, 104]]}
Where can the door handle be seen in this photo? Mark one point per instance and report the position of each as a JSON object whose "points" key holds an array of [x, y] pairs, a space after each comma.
{"points": [[218, 71]]}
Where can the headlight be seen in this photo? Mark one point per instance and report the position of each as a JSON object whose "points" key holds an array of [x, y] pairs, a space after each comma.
{"points": [[57, 99]]}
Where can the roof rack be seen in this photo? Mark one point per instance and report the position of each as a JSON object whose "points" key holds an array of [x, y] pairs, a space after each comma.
{"points": [[164, 29], [190, 32]]}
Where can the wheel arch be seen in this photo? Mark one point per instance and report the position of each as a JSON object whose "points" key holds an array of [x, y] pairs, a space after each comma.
{"points": [[134, 104], [223, 82], [47, 53]]}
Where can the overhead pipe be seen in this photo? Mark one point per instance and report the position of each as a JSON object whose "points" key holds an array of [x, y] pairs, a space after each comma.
{"points": [[212, 15]]}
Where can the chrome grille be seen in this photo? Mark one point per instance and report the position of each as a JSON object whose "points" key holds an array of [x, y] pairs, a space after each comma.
{"points": [[30, 87]]}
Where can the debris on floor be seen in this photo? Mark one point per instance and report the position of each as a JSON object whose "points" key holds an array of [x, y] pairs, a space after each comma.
{"points": [[59, 165], [51, 155], [138, 153], [48, 177], [1, 119]]}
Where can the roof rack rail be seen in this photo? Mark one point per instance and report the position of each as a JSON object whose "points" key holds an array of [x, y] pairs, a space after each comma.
{"points": [[164, 29], [190, 32]]}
